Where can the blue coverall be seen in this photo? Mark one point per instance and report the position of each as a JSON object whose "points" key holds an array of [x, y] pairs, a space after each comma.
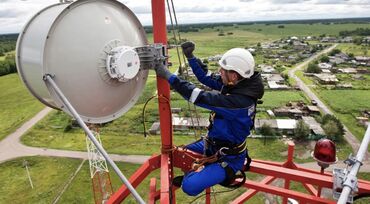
{"points": [[233, 108]]}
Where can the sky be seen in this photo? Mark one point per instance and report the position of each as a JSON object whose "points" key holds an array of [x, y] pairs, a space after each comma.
{"points": [[15, 13]]}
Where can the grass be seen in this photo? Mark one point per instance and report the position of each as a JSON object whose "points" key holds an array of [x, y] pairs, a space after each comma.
{"points": [[48, 177], [273, 99], [357, 50], [348, 104], [16, 104], [356, 84]]}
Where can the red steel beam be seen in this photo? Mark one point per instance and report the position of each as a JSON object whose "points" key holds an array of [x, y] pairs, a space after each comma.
{"points": [[140, 174], [152, 191], [292, 174], [302, 197], [251, 192], [301, 176]]}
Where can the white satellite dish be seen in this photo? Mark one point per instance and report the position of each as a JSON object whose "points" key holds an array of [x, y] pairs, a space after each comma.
{"points": [[87, 46]]}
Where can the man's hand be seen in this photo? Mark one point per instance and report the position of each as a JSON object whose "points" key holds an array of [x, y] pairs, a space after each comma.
{"points": [[188, 48], [163, 72]]}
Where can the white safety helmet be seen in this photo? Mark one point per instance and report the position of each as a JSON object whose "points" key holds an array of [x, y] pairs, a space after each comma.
{"points": [[239, 60]]}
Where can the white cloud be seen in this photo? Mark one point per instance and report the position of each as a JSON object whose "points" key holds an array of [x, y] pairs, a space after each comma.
{"points": [[15, 13]]}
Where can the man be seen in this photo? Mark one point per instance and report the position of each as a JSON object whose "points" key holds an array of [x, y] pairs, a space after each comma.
{"points": [[236, 89]]}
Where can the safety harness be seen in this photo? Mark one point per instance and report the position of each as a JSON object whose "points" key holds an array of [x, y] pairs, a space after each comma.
{"points": [[224, 148]]}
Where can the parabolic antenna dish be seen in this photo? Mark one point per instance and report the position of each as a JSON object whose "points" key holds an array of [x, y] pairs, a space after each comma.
{"points": [[72, 42]]}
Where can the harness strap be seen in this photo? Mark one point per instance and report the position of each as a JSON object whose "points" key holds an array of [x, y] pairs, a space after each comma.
{"points": [[233, 150], [231, 176]]}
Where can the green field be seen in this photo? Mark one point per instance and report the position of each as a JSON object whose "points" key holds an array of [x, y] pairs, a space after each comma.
{"points": [[357, 50], [273, 99], [347, 105], [16, 104]]}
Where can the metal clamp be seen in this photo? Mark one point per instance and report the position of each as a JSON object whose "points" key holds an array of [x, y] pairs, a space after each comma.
{"points": [[152, 56], [351, 160]]}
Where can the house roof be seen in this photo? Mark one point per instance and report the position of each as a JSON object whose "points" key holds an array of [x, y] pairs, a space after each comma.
{"points": [[314, 125], [260, 122], [286, 123]]}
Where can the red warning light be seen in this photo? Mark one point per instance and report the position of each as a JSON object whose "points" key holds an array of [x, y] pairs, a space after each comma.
{"points": [[325, 152]]}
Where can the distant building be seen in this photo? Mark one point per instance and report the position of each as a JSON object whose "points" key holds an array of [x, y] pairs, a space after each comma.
{"points": [[267, 69], [326, 71], [215, 58], [288, 112], [293, 38], [273, 77], [343, 56], [347, 70], [270, 113], [297, 45], [344, 86], [286, 126], [364, 121], [326, 78], [181, 123], [314, 126], [362, 59], [283, 126], [336, 60], [325, 65], [363, 71], [184, 123], [313, 110], [276, 86], [329, 39], [347, 39]]}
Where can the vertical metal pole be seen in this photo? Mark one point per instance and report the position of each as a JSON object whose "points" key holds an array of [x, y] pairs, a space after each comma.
{"points": [[160, 36], [322, 171], [48, 79], [351, 177]]}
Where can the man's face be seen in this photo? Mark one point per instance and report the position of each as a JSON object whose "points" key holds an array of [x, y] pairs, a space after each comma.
{"points": [[223, 74], [226, 76]]}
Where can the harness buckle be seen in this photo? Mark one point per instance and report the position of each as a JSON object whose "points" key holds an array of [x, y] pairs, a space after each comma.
{"points": [[220, 151]]}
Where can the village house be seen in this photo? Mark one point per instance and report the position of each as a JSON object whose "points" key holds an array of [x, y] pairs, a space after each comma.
{"points": [[328, 40], [274, 85], [282, 126], [314, 126], [215, 58], [268, 69], [297, 45], [325, 65], [273, 77], [326, 71], [347, 39], [344, 86], [366, 40], [181, 123], [313, 110], [291, 112], [362, 59], [347, 70], [336, 60], [326, 78]]}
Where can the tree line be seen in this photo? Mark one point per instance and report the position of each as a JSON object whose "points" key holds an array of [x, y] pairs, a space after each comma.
{"points": [[357, 32], [7, 43], [7, 66]]}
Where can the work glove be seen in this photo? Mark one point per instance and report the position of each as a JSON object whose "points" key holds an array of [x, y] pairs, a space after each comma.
{"points": [[188, 48], [163, 72]]}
